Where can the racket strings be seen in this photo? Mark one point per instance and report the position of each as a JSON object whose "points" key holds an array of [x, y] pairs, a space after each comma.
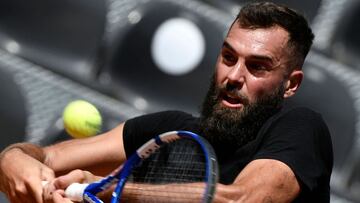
{"points": [[164, 193], [174, 173], [168, 198]]}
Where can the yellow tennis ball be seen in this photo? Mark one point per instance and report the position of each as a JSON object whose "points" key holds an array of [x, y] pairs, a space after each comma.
{"points": [[81, 119]]}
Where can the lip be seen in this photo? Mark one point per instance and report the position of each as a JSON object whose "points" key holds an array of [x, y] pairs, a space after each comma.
{"points": [[230, 105], [226, 101]]}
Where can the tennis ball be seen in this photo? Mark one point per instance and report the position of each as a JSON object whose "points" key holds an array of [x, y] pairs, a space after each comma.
{"points": [[81, 119]]}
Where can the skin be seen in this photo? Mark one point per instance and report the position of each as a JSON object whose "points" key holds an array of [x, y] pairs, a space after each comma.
{"points": [[253, 60]]}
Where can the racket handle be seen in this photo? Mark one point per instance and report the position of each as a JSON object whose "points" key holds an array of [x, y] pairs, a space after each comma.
{"points": [[74, 192]]}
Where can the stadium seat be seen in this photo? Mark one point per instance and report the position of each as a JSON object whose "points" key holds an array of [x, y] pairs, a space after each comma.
{"points": [[12, 111], [62, 36], [160, 54], [308, 7], [345, 44]]}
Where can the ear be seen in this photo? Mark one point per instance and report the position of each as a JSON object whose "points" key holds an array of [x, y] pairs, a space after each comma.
{"points": [[293, 83]]}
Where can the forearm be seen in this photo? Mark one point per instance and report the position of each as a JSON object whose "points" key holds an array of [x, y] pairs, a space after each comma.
{"points": [[174, 193], [254, 191], [67, 156], [261, 181], [248, 194], [99, 154], [261, 193]]}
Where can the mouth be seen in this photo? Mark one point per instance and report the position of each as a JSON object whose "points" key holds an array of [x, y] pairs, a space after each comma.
{"points": [[231, 101]]}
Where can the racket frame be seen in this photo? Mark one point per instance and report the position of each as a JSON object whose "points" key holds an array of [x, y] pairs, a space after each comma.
{"points": [[121, 174]]}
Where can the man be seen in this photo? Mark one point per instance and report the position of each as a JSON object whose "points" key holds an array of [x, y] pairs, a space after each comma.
{"points": [[266, 152]]}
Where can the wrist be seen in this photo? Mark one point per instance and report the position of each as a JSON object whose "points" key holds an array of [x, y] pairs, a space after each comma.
{"points": [[26, 148], [6, 157]]}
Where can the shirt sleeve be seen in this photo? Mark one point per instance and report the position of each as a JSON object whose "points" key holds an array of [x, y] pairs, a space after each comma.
{"points": [[140, 129], [300, 139]]}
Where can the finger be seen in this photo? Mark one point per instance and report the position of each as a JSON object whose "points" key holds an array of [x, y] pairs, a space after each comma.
{"points": [[20, 193], [48, 191], [22, 199], [61, 192], [35, 189], [58, 198], [64, 181], [76, 176], [50, 199]]}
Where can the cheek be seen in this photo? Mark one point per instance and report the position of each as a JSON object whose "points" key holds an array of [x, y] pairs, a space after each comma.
{"points": [[220, 73], [257, 88]]}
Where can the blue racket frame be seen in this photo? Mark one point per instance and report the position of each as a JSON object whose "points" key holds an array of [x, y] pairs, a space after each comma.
{"points": [[121, 174]]}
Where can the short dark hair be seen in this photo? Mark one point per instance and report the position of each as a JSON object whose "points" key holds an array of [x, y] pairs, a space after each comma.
{"points": [[267, 14]]}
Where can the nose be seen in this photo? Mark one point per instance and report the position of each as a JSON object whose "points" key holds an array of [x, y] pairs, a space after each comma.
{"points": [[236, 76]]}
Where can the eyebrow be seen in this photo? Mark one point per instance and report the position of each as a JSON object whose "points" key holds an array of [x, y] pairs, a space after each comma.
{"points": [[228, 46], [264, 58]]}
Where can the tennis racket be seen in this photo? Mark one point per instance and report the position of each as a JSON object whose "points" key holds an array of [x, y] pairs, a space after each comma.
{"points": [[176, 166]]}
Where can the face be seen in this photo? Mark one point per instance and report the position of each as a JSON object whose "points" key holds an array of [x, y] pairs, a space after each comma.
{"points": [[252, 63], [250, 83]]}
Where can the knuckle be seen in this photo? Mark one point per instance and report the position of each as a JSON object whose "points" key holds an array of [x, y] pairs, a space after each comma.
{"points": [[49, 173], [11, 195], [88, 176], [32, 179], [81, 174], [77, 172], [87, 173], [20, 189]]}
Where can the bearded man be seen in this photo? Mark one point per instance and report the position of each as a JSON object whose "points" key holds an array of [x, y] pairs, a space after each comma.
{"points": [[267, 152]]}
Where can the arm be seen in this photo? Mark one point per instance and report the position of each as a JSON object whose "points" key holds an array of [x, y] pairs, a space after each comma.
{"points": [[133, 192], [24, 166], [86, 154], [262, 180]]}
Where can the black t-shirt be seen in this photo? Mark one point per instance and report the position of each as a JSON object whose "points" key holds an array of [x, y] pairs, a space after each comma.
{"points": [[297, 137]]}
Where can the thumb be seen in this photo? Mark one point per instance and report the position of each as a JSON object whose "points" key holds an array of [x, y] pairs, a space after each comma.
{"points": [[76, 176], [63, 182]]}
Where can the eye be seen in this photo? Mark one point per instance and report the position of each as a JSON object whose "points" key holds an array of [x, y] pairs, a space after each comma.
{"points": [[256, 66], [228, 58]]}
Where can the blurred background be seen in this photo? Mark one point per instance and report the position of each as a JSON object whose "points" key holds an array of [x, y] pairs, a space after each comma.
{"points": [[130, 57]]}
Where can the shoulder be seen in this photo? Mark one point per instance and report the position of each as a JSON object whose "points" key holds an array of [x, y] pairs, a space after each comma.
{"points": [[168, 116], [140, 129], [297, 118], [299, 124], [299, 137], [300, 113], [297, 133], [159, 122]]}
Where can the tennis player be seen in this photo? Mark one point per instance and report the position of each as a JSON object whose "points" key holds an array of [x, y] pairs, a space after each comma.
{"points": [[267, 152]]}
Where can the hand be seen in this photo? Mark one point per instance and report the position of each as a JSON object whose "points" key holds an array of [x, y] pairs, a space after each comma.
{"points": [[21, 176], [62, 182], [58, 197]]}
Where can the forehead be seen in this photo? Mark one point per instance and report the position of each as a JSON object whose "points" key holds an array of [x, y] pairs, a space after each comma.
{"points": [[270, 42]]}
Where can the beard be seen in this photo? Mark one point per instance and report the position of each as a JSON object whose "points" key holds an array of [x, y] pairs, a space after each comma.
{"points": [[222, 125]]}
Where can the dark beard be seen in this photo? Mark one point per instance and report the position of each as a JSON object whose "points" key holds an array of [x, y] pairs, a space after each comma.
{"points": [[222, 125]]}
